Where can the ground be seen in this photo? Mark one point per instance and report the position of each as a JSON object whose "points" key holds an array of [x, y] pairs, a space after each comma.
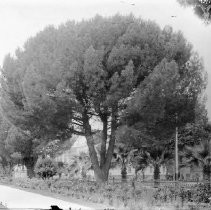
{"points": [[16, 198], [2, 207]]}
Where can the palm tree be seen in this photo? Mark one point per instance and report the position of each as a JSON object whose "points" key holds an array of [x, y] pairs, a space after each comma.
{"points": [[122, 155], [199, 155], [157, 156], [139, 161]]}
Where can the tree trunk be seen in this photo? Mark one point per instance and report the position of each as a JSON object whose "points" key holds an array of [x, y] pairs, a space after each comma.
{"points": [[100, 173], [101, 176], [136, 174], [156, 175], [143, 175], [124, 172], [207, 175], [110, 150], [101, 170], [29, 163]]}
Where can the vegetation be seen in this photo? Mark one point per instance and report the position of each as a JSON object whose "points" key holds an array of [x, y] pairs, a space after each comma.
{"points": [[199, 155], [137, 81], [123, 156], [158, 156], [80, 164], [5, 155], [16, 147], [202, 8], [124, 196], [46, 168], [65, 78]]}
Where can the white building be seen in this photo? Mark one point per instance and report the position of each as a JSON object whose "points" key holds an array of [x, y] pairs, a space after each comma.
{"points": [[78, 147], [19, 171]]}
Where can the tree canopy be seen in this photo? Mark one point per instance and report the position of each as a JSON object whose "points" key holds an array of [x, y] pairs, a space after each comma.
{"points": [[202, 8], [65, 77], [5, 154]]}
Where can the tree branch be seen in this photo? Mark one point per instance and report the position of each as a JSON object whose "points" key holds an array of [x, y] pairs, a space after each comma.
{"points": [[109, 154]]}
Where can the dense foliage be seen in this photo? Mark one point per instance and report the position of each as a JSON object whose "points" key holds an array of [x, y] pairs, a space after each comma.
{"points": [[46, 168], [101, 69], [199, 155], [202, 8], [16, 147]]}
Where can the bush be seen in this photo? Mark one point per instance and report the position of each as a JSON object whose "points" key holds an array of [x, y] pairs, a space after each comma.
{"points": [[202, 193], [46, 168], [198, 194]]}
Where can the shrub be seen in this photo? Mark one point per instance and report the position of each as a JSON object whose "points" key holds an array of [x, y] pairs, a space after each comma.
{"points": [[62, 168], [46, 168], [201, 193]]}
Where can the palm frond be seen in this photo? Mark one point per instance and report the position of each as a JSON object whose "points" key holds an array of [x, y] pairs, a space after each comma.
{"points": [[197, 155]]}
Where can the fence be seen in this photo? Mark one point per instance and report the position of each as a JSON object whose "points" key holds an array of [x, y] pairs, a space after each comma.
{"points": [[151, 183]]}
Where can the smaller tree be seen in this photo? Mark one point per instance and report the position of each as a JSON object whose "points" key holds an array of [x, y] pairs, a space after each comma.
{"points": [[46, 168], [122, 155], [199, 155], [6, 160], [21, 145], [158, 155], [139, 161]]}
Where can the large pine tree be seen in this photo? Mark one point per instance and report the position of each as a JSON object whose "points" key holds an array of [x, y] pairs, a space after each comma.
{"points": [[67, 77]]}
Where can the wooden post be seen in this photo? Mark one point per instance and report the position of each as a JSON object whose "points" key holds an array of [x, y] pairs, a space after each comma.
{"points": [[176, 156], [176, 152]]}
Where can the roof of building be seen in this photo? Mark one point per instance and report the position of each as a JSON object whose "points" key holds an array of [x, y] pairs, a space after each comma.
{"points": [[80, 142]]}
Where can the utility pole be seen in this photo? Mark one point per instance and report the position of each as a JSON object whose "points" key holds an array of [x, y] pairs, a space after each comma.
{"points": [[176, 152], [209, 184]]}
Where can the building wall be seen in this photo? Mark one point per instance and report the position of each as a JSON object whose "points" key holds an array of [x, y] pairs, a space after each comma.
{"points": [[191, 173], [117, 171], [19, 171], [148, 172], [78, 147], [81, 146]]}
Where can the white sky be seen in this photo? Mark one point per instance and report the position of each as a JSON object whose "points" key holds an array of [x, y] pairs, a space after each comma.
{"points": [[20, 19]]}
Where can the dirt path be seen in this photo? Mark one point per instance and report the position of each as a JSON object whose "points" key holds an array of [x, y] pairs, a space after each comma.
{"points": [[16, 198]]}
